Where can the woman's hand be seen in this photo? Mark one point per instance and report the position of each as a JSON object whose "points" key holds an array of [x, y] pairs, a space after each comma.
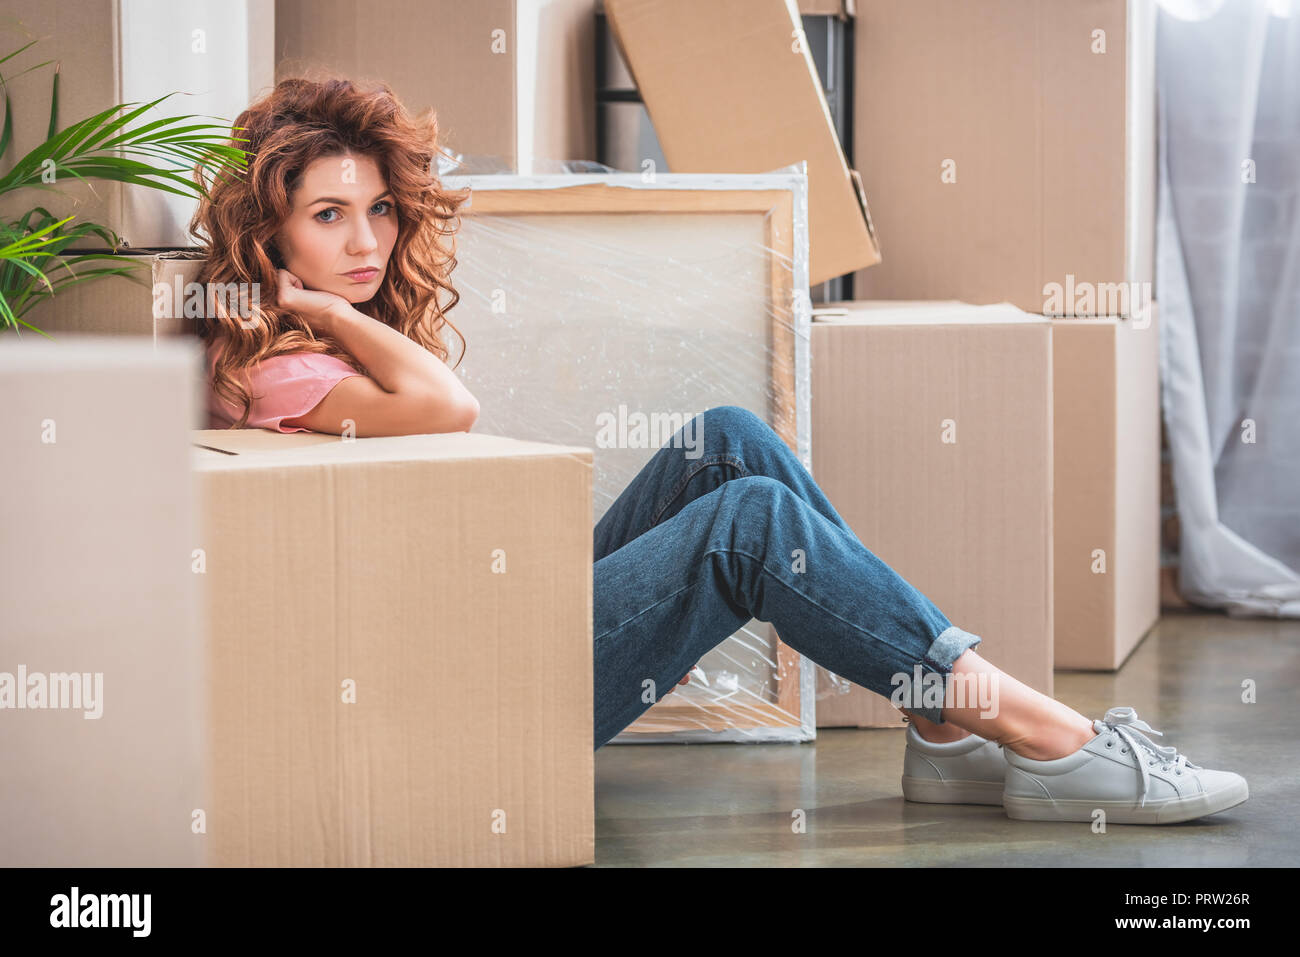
{"points": [[316, 307]]}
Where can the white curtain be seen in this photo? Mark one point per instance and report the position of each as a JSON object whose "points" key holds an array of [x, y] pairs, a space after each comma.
{"points": [[1228, 285]]}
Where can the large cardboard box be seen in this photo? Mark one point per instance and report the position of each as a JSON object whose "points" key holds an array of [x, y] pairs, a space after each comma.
{"points": [[510, 79], [1106, 376], [400, 664], [1008, 148], [732, 88], [99, 605], [932, 437]]}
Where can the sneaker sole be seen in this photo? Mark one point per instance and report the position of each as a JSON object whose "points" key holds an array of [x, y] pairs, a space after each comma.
{"points": [[1122, 812], [929, 791]]}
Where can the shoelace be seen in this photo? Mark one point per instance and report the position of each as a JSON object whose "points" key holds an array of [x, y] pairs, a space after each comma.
{"points": [[1125, 723]]}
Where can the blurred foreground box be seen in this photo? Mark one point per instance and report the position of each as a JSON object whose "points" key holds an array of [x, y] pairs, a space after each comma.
{"points": [[101, 640]]}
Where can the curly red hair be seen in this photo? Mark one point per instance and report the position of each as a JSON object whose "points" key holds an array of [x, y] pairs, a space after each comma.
{"points": [[283, 132]]}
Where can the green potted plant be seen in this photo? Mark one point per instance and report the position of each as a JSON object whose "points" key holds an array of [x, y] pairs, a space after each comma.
{"points": [[33, 263]]}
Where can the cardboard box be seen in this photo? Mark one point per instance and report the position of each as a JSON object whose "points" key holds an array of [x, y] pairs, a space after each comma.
{"points": [[97, 581], [150, 303], [932, 437], [513, 80], [401, 649], [720, 105], [1107, 465], [1007, 156]]}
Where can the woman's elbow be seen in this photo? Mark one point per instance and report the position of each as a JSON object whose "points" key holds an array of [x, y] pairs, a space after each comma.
{"points": [[453, 417], [471, 414]]}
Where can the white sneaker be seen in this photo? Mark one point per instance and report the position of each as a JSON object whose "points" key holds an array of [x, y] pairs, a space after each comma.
{"points": [[970, 771], [1122, 772]]}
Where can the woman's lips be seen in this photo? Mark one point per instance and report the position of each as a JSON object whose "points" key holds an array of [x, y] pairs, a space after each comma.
{"points": [[362, 275]]}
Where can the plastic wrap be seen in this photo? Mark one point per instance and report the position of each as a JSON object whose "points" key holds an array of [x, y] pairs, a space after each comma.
{"points": [[576, 318]]}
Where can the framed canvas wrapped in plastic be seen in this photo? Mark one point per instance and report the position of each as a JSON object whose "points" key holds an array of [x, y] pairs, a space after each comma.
{"points": [[606, 310]]}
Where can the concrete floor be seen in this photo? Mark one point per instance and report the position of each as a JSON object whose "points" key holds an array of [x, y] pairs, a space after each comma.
{"points": [[703, 805]]}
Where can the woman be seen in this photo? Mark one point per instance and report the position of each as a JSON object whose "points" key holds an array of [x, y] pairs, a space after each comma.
{"points": [[342, 215]]}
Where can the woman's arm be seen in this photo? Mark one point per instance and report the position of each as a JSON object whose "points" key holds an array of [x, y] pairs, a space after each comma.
{"points": [[360, 405], [400, 365], [409, 391]]}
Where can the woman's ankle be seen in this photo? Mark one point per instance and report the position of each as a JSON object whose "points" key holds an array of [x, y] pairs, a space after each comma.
{"points": [[1048, 742], [935, 733], [1024, 720]]}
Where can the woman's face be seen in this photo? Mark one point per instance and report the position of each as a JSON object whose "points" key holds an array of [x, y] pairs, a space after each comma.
{"points": [[343, 220]]}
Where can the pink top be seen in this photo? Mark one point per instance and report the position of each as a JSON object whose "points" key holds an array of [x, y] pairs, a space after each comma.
{"points": [[282, 387]]}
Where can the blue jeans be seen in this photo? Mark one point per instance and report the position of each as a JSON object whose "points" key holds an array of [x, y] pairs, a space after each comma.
{"points": [[703, 540]]}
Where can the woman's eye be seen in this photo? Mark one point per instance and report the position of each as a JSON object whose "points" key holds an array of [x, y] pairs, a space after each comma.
{"points": [[388, 208]]}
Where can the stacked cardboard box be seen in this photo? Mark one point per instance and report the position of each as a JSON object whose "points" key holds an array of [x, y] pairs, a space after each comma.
{"points": [[1009, 151], [1107, 536], [1036, 526], [932, 437]]}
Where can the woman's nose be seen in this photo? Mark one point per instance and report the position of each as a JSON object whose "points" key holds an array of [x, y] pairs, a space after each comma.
{"points": [[362, 241]]}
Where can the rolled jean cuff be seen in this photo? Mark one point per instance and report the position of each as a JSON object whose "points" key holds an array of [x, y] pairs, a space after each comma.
{"points": [[940, 657]]}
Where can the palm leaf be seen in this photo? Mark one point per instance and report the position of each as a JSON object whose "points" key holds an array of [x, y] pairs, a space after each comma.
{"points": [[54, 104]]}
